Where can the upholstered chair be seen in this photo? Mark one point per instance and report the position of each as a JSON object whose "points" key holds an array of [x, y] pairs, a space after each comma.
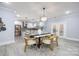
{"points": [[55, 39], [50, 40], [28, 41]]}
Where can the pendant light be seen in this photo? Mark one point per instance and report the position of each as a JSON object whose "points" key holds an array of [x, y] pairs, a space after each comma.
{"points": [[44, 18]]}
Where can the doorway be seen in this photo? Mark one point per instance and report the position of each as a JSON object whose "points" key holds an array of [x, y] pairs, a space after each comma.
{"points": [[57, 29]]}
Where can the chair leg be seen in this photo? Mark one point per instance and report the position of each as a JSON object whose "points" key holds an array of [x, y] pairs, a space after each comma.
{"points": [[57, 42], [51, 47], [25, 48]]}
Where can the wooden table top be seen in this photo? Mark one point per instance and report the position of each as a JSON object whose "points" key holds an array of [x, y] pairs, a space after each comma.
{"points": [[40, 35]]}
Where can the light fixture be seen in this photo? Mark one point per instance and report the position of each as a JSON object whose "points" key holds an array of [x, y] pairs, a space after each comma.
{"points": [[35, 25], [39, 31], [18, 15], [29, 25], [17, 23], [41, 24], [43, 18], [67, 12], [7, 2]]}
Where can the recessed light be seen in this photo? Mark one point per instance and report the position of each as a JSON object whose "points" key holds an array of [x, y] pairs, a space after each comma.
{"points": [[18, 15], [67, 12], [7, 2]]}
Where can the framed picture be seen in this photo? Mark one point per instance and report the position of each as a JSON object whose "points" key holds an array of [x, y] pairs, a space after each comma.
{"points": [[2, 25]]}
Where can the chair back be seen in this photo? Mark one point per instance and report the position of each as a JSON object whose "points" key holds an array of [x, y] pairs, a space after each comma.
{"points": [[27, 35]]}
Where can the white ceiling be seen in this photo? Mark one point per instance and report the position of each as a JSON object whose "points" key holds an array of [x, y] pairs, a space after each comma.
{"points": [[34, 9]]}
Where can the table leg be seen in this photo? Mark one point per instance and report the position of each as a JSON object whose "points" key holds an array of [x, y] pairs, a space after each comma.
{"points": [[39, 42]]}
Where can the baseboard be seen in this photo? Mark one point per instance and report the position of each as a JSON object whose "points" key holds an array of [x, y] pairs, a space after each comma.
{"points": [[9, 42], [69, 38]]}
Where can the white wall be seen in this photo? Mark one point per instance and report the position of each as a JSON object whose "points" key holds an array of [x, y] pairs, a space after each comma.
{"points": [[53, 21], [71, 23], [8, 18], [72, 27]]}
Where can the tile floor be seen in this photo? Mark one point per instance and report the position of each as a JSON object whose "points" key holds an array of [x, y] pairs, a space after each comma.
{"points": [[65, 48]]}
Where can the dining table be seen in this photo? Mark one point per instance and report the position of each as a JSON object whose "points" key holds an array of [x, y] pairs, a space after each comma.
{"points": [[39, 36]]}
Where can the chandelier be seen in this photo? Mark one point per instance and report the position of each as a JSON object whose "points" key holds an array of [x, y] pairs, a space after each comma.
{"points": [[44, 18]]}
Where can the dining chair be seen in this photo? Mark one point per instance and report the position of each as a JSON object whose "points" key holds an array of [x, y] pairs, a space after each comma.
{"points": [[55, 39], [50, 40], [28, 41]]}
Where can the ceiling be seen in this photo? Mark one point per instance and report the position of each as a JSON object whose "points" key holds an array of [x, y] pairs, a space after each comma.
{"points": [[33, 10]]}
